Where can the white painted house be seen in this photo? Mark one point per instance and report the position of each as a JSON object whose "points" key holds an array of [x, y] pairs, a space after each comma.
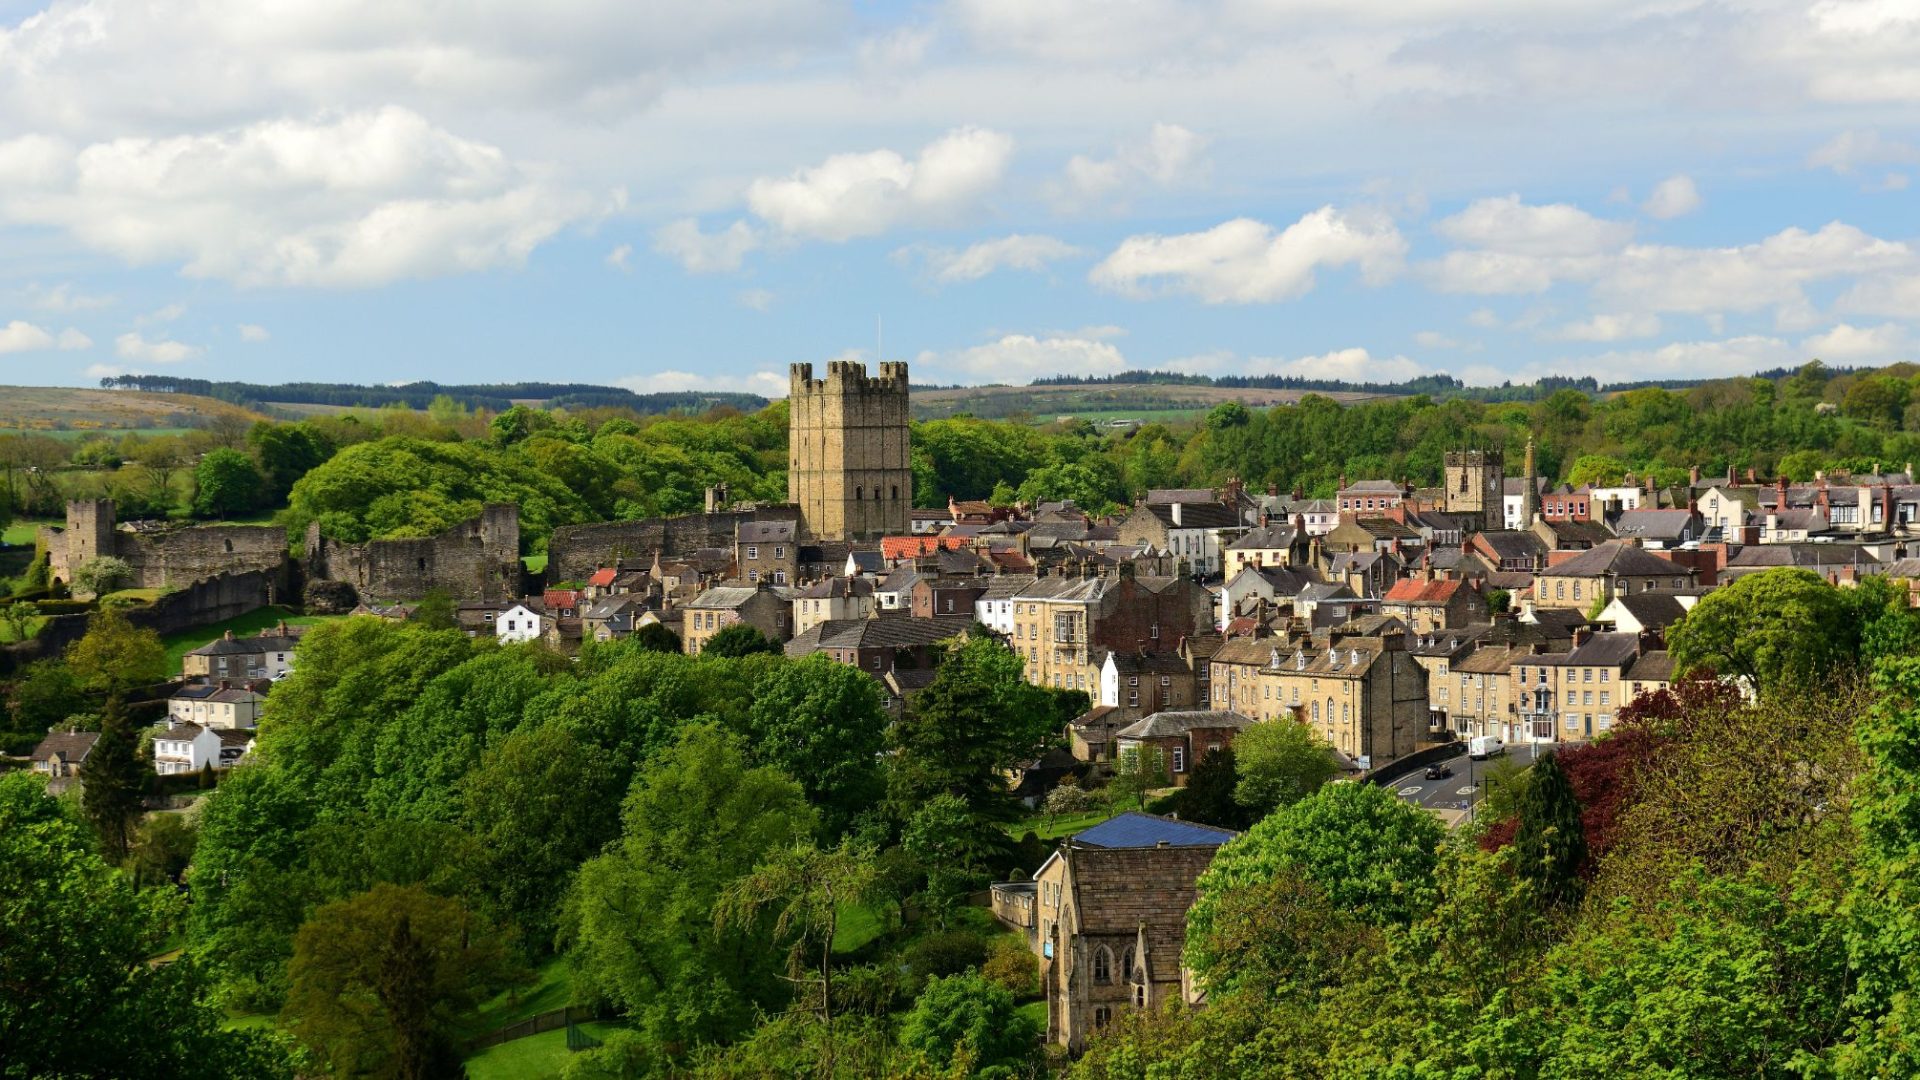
{"points": [[517, 624], [188, 748]]}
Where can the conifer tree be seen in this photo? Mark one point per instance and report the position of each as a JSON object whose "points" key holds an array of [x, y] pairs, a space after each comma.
{"points": [[1550, 846], [112, 779]]}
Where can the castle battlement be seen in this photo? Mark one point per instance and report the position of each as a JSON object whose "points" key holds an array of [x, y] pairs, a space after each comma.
{"points": [[848, 464]]}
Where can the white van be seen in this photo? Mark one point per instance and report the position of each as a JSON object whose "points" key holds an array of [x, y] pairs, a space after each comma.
{"points": [[1485, 746]]}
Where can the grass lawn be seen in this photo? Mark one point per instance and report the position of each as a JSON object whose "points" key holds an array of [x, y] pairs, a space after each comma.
{"points": [[32, 628], [24, 532], [536, 1057], [536, 564], [145, 596], [253, 622], [858, 925], [1064, 826], [552, 988], [1035, 1011], [239, 1021]]}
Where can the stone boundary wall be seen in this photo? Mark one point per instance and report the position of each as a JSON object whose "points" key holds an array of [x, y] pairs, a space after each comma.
{"points": [[575, 551]]}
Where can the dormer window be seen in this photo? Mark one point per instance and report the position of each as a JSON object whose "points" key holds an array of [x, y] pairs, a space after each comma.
{"points": [[1299, 660]]}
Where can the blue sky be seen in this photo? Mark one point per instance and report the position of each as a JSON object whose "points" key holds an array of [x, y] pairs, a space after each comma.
{"points": [[695, 194]]}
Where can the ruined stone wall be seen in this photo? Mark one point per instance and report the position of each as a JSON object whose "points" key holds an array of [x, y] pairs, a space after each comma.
{"points": [[477, 561], [170, 558], [198, 603], [575, 551], [848, 453]]}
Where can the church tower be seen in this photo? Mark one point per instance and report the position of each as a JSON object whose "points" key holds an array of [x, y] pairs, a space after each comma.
{"points": [[1476, 484], [848, 465]]}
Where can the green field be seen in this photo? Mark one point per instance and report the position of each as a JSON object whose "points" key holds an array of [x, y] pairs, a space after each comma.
{"points": [[25, 532], [253, 622], [552, 988], [77, 434], [536, 1057]]}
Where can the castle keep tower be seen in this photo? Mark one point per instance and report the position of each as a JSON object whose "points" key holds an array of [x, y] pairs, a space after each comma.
{"points": [[1477, 484], [847, 453]]}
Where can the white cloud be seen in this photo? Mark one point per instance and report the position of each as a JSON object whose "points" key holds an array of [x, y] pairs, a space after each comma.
{"points": [[897, 50], [64, 297], [1676, 196], [617, 258], [1169, 156], [760, 300], [1849, 344], [1770, 273], [108, 371], [1860, 150], [1016, 252], [165, 314], [1485, 318], [252, 333], [1609, 328], [1894, 295], [348, 200], [768, 384], [72, 340], [1021, 358], [133, 346], [864, 194], [1434, 339], [1243, 261], [1351, 365], [21, 336], [1507, 226], [706, 253], [1686, 359]]}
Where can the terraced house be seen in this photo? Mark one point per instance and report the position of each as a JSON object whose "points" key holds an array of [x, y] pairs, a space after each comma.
{"points": [[1059, 623], [1367, 696]]}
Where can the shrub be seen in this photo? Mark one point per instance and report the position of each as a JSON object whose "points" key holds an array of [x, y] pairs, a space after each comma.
{"points": [[948, 952], [1011, 965]]}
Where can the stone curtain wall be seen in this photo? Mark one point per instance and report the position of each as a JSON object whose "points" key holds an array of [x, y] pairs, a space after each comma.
{"points": [[575, 551], [477, 561], [164, 559]]}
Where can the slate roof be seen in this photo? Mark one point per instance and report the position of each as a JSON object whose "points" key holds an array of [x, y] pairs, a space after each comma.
{"points": [[1616, 558], [766, 532], [723, 597], [1182, 495], [72, 745], [1653, 610], [250, 646], [1600, 650], [1137, 830], [1653, 524], [1265, 538], [1515, 544], [1655, 665], [1768, 555], [1206, 515], [1372, 487], [893, 632], [214, 692]]}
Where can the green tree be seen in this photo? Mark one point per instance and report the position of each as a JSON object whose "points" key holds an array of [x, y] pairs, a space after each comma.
{"points": [[534, 803], [656, 637], [115, 656], [825, 725], [162, 848], [976, 721], [1209, 797], [517, 423], [1596, 470], [226, 483], [739, 639], [1780, 626], [43, 695], [966, 1018], [1371, 853], [1138, 770], [954, 847], [808, 887], [379, 982], [1550, 847], [286, 453], [1281, 762], [81, 999], [640, 916], [436, 610], [20, 619], [101, 575], [113, 777]]}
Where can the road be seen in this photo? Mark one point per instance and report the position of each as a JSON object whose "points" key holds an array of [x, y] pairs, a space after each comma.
{"points": [[1455, 791]]}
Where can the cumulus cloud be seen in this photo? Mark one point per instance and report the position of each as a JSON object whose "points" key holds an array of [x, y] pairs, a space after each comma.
{"points": [[768, 384], [1434, 339], [1895, 295], [1245, 262], [703, 252], [1351, 365], [253, 334], [1507, 226], [1608, 328], [354, 200], [1168, 156], [1021, 358], [135, 347], [22, 336], [1676, 196], [1849, 344], [864, 194], [618, 258], [72, 340], [1016, 252], [1688, 359]]}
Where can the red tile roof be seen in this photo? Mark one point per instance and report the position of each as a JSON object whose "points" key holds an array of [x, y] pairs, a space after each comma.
{"points": [[907, 547], [1415, 591], [603, 576]]}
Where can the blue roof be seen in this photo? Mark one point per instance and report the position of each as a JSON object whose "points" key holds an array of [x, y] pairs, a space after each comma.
{"points": [[1135, 830]]}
